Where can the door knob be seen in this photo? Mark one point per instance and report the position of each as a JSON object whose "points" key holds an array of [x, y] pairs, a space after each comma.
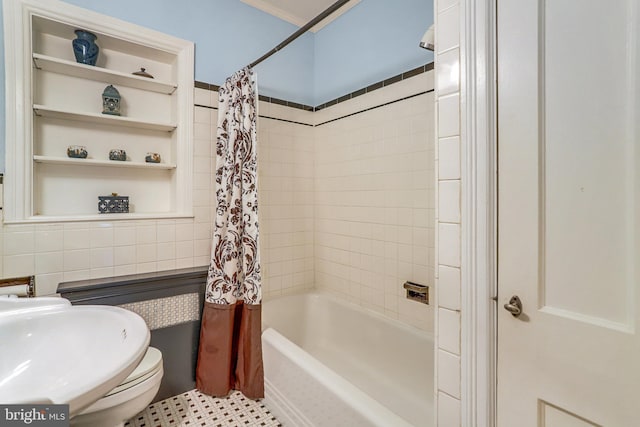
{"points": [[514, 306]]}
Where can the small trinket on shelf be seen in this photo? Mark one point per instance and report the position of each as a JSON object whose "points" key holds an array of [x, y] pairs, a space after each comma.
{"points": [[152, 158], [77, 152], [111, 101], [113, 204], [142, 73], [118, 154]]}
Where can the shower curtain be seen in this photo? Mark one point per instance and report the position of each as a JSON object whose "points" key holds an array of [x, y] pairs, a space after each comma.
{"points": [[230, 353]]}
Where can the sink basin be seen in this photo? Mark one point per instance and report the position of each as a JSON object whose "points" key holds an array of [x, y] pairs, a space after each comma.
{"points": [[53, 352]]}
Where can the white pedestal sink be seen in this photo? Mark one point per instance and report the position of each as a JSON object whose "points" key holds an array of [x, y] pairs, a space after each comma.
{"points": [[52, 352]]}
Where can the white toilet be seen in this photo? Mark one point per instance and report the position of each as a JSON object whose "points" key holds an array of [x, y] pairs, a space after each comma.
{"points": [[133, 395]]}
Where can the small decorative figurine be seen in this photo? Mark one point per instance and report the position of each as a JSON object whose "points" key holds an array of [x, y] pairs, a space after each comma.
{"points": [[85, 48], [77, 152], [111, 101], [113, 204], [118, 154], [152, 158], [142, 73]]}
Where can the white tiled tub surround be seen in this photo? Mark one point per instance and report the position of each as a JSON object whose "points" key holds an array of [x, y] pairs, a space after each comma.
{"points": [[286, 172], [449, 221], [375, 199], [84, 250]]}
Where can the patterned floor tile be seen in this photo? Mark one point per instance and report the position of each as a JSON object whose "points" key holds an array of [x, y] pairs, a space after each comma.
{"points": [[194, 409]]}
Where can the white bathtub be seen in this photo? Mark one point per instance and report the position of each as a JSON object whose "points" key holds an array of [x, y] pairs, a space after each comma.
{"points": [[331, 363]]}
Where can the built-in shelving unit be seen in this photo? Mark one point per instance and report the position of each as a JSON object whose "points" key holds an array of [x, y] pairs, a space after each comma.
{"points": [[54, 102]]}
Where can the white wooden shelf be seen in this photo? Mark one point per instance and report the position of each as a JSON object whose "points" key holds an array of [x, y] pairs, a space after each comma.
{"points": [[41, 110], [62, 66], [101, 217], [107, 163]]}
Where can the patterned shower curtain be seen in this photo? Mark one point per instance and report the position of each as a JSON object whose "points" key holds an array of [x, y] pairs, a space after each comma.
{"points": [[230, 353]]}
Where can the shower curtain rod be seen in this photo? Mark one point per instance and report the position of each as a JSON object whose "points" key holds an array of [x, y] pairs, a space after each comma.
{"points": [[337, 5]]}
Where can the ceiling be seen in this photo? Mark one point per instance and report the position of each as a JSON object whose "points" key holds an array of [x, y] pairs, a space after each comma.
{"points": [[299, 12]]}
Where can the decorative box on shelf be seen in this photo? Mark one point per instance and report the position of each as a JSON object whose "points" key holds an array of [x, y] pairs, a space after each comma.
{"points": [[113, 204]]}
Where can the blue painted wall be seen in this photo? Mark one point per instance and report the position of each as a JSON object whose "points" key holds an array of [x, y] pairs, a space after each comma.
{"points": [[374, 40], [228, 35]]}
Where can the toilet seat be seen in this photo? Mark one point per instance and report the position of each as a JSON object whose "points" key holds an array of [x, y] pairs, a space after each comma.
{"points": [[127, 399], [148, 366]]}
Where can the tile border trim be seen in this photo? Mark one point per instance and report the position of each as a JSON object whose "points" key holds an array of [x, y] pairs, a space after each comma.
{"points": [[368, 89], [376, 106]]}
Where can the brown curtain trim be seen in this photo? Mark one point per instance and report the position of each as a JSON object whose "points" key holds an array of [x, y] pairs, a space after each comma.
{"points": [[230, 353]]}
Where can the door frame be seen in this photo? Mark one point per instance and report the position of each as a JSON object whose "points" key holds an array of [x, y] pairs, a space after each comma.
{"points": [[479, 197]]}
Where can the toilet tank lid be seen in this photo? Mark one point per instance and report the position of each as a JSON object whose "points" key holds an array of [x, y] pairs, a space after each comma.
{"points": [[149, 363]]}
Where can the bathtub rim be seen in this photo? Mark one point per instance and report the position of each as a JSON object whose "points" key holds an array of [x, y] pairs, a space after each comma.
{"points": [[319, 293], [365, 405]]}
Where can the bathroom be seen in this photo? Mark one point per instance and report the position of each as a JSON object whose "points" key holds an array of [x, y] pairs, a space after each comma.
{"points": [[361, 171]]}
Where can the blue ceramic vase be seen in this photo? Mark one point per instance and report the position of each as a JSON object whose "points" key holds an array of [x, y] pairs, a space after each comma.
{"points": [[85, 48]]}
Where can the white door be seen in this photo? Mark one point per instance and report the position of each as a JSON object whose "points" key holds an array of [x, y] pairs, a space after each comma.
{"points": [[569, 212]]}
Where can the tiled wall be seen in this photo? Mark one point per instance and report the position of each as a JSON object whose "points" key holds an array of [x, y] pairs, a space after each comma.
{"points": [[375, 199], [286, 172], [364, 183], [285, 175], [83, 250], [449, 219]]}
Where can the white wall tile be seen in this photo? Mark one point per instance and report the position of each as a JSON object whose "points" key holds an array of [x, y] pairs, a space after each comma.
{"points": [[124, 236], [442, 5], [19, 243], [448, 411], [449, 330], [47, 284], [72, 276], [449, 201], [449, 373], [449, 244], [449, 158], [76, 238], [184, 232], [49, 262], [97, 273], [145, 254], [123, 270], [18, 265], [102, 236], [449, 287], [49, 241], [124, 255], [448, 78], [166, 251], [184, 249], [166, 233], [448, 31], [102, 257], [202, 97], [449, 116], [146, 234], [146, 267], [77, 260]]}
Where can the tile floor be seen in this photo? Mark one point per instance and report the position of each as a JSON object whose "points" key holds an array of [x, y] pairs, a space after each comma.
{"points": [[193, 409]]}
